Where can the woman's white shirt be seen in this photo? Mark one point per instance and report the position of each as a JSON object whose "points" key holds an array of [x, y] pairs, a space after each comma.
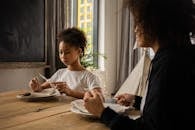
{"points": [[76, 80]]}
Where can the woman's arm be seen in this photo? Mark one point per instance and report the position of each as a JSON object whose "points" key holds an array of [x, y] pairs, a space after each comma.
{"points": [[113, 120], [116, 121]]}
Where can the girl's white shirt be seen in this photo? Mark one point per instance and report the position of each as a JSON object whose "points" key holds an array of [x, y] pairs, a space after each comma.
{"points": [[76, 80]]}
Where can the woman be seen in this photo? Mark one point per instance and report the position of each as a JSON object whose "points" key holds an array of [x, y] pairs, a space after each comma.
{"points": [[165, 26]]}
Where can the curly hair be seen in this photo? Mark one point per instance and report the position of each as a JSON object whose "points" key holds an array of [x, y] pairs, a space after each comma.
{"points": [[74, 37], [169, 21]]}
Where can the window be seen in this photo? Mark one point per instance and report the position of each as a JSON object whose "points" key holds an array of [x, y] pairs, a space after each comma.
{"points": [[89, 8], [82, 18], [89, 25], [89, 1], [88, 16], [82, 25], [82, 10], [85, 16], [82, 1]]}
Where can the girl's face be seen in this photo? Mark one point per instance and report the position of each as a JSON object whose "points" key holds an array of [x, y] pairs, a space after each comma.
{"points": [[69, 55]]}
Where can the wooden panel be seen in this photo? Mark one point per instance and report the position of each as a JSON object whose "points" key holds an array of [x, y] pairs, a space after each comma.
{"points": [[32, 116], [11, 106], [14, 111], [65, 121], [16, 114]]}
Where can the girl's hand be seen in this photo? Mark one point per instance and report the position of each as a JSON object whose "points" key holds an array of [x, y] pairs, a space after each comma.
{"points": [[93, 103], [125, 99], [63, 88], [35, 85]]}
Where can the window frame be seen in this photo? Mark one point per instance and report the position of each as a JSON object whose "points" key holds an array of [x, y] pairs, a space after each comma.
{"points": [[95, 25]]}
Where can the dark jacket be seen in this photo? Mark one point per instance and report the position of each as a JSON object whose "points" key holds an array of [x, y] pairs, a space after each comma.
{"points": [[170, 99]]}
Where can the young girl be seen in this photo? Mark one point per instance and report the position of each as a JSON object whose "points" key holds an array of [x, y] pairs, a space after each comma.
{"points": [[74, 80]]}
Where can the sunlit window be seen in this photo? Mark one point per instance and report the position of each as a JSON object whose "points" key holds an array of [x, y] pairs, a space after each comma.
{"points": [[82, 1], [82, 9], [85, 17], [81, 19], [82, 25], [89, 8]]}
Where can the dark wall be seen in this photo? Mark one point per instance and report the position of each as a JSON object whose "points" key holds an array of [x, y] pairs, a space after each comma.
{"points": [[22, 31]]}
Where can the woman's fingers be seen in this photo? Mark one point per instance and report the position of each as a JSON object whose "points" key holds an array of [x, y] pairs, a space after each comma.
{"points": [[87, 95], [94, 104], [119, 96], [120, 101], [123, 101]]}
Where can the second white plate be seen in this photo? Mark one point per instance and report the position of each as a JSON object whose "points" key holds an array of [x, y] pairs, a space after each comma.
{"points": [[78, 107], [43, 94]]}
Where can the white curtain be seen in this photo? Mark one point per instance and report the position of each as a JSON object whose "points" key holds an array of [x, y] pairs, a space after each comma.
{"points": [[127, 57], [136, 81]]}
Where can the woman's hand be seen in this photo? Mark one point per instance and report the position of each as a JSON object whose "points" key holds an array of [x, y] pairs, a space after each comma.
{"points": [[98, 90], [63, 88], [93, 103], [125, 99], [35, 85]]}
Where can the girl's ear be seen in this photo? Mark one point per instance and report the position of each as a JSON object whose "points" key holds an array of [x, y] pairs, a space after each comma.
{"points": [[80, 51]]}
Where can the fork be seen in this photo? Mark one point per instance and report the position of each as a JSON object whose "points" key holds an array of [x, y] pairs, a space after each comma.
{"points": [[53, 86], [43, 77], [47, 80]]}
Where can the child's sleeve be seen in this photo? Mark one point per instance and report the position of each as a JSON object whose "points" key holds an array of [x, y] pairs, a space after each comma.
{"points": [[55, 77], [93, 81]]}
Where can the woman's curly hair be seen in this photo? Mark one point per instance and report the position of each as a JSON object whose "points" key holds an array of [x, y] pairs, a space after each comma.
{"points": [[169, 21]]}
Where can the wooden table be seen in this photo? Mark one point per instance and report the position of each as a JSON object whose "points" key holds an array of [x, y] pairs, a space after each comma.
{"points": [[53, 114]]}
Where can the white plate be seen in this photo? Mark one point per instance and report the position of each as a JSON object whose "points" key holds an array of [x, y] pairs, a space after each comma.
{"points": [[77, 111], [43, 94], [78, 107]]}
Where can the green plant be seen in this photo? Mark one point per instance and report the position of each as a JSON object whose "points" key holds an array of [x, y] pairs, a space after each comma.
{"points": [[88, 60]]}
